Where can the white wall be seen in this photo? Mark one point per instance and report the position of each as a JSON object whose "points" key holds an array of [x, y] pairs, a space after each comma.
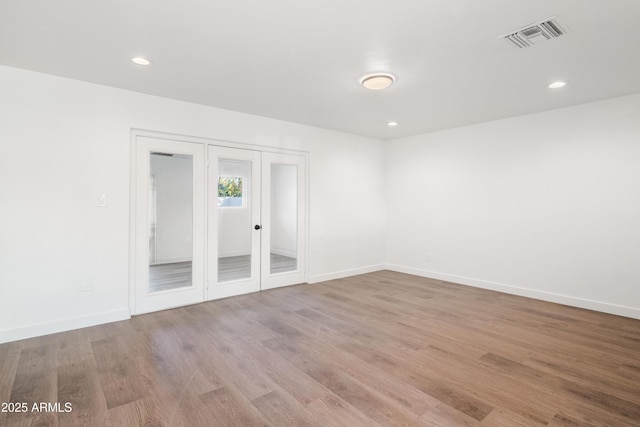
{"points": [[544, 205], [284, 209], [174, 208], [64, 142]]}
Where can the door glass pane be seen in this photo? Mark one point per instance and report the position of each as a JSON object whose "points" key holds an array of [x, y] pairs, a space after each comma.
{"points": [[284, 218], [170, 221], [234, 220]]}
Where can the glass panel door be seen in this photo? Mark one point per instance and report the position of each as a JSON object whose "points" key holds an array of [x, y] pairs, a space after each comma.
{"points": [[234, 222], [241, 214], [283, 216], [170, 221]]}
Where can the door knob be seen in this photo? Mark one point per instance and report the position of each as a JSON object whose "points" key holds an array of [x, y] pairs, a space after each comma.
{"points": [[257, 227]]}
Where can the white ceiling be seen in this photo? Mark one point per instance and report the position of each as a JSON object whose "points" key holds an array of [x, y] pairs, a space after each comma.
{"points": [[300, 60]]}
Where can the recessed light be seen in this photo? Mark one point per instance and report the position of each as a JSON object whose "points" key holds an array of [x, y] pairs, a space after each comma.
{"points": [[392, 124], [377, 81], [557, 85], [140, 60]]}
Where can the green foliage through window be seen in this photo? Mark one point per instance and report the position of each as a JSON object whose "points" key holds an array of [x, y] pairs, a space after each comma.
{"points": [[229, 186]]}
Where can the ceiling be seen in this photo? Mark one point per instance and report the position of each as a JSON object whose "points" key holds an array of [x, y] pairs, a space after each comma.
{"points": [[301, 60]]}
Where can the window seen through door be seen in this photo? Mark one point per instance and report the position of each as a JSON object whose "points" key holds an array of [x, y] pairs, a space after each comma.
{"points": [[230, 191]]}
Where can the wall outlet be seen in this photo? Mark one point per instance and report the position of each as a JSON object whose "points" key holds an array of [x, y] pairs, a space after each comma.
{"points": [[427, 257], [86, 288], [102, 201]]}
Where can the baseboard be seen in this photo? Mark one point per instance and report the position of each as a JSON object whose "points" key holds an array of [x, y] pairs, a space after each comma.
{"points": [[604, 307], [31, 331], [345, 273]]}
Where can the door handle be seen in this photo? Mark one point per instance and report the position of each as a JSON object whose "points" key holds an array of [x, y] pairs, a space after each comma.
{"points": [[257, 227]]}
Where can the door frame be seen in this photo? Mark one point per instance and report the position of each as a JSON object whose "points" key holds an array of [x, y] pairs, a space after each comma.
{"points": [[135, 133]]}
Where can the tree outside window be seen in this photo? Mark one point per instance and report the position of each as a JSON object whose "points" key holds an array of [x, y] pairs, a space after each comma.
{"points": [[230, 189]]}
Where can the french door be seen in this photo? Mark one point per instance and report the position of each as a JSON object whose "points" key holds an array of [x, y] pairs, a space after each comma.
{"points": [[256, 221], [169, 224], [283, 216], [213, 222], [234, 222]]}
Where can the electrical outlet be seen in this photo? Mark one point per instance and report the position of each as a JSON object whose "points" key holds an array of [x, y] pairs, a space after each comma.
{"points": [[427, 257], [86, 288], [102, 201]]}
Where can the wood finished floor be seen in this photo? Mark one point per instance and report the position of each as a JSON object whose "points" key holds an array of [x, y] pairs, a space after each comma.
{"points": [[377, 349]]}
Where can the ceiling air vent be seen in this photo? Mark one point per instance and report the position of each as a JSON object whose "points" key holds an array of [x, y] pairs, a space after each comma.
{"points": [[532, 34]]}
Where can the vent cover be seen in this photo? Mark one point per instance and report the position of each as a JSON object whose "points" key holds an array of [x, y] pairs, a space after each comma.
{"points": [[532, 34]]}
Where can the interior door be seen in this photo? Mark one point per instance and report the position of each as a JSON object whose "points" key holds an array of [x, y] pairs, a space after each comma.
{"points": [[283, 256], [170, 224], [234, 222]]}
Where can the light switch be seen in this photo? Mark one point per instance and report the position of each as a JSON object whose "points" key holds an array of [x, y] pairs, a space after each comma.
{"points": [[102, 201]]}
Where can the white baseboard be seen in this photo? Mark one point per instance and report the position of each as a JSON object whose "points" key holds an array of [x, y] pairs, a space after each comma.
{"points": [[604, 307], [345, 273], [31, 331]]}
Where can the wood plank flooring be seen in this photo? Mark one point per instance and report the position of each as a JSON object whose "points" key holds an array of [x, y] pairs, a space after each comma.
{"points": [[377, 349]]}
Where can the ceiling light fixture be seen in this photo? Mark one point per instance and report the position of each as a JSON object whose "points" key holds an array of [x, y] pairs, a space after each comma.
{"points": [[377, 81], [140, 60], [557, 85], [392, 124]]}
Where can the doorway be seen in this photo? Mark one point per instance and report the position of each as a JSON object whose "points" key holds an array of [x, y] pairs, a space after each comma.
{"points": [[212, 221]]}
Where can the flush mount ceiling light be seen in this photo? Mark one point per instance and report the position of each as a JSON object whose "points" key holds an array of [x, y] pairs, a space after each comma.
{"points": [[140, 60], [392, 124], [377, 81], [557, 85]]}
